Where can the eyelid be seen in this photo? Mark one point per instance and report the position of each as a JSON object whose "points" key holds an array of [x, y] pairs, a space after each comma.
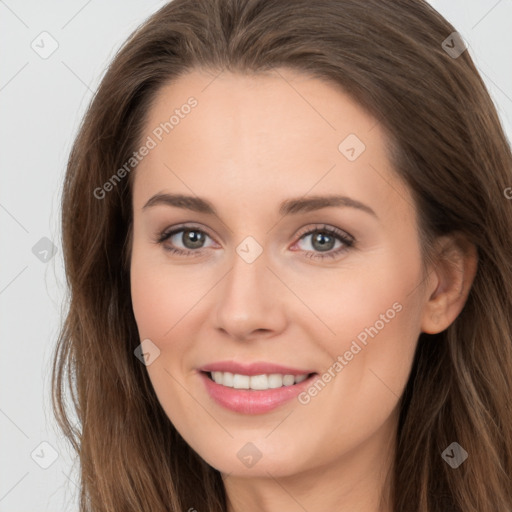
{"points": [[346, 238], [167, 232], [325, 227], [306, 230]]}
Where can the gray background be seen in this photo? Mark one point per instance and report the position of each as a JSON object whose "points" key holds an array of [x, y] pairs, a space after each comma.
{"points": [[42, 101]]}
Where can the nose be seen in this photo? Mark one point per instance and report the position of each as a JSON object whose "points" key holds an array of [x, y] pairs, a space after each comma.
{"points": [[250, 300]]}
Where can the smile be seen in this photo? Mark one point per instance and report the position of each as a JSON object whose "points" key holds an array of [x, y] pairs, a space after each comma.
{"points": [[256, 382], [254, 394]]}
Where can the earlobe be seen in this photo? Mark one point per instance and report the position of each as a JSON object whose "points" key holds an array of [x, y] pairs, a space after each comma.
{"points": [[455, 269]]}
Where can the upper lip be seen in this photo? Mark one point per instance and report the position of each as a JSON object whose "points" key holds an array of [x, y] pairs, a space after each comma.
{"points": [[256, 368]]}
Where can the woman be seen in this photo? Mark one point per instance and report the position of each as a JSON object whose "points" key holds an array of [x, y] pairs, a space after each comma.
{"points": [[288, 250]]}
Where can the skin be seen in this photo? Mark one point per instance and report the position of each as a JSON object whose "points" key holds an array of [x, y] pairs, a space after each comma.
{"points": [[251, 143]]}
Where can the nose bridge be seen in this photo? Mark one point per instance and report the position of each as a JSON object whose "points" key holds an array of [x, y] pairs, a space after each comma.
{"points": [[247, 299], [247, 277]]}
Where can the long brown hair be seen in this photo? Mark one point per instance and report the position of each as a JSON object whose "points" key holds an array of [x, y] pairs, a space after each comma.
{"points": [[449, 147]]}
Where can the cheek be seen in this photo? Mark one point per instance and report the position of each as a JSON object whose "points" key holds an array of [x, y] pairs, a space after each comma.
{"points": [[373, 348], [161, 298], [150, 302], [365, 373], [373, 313], [360, 302], [379, 295], [162, 293]]}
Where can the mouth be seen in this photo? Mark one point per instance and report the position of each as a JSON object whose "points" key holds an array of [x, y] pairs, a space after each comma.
{"points": [[254, 394], [260, 382]]}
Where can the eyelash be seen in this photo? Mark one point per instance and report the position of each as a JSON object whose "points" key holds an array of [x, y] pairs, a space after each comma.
{"points": [[347, 240]]}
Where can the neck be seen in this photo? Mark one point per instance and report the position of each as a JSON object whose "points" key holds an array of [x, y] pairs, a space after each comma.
{"points": [[358, 480]]}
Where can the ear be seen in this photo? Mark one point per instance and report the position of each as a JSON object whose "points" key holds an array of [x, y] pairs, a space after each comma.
{"points": [[452, 276]]}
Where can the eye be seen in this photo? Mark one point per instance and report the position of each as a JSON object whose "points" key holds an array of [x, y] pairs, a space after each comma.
{"points": [[191, 237], [323, 241]]}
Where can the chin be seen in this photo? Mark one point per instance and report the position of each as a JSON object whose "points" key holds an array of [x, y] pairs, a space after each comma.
{"points": [[252, 459]]}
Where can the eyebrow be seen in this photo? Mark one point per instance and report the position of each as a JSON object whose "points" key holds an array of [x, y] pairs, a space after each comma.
{"points": [[287, 207]]}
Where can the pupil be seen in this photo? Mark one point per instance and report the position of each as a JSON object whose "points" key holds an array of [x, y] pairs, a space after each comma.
{"points": [[321, 239], [194, 237]]}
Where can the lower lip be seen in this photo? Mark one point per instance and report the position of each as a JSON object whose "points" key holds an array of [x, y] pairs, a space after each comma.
{"points": [[248, 401]]}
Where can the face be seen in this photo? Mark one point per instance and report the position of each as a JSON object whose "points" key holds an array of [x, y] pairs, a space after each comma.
{"points": [[268, 273]]}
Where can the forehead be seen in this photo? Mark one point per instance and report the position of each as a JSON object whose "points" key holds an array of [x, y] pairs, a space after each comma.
{"points": [[258, 134], [257, 106]]}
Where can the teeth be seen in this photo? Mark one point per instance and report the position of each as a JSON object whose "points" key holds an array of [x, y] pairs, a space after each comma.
{"points": [[288, 380], [300, 378], [241, 381], [256, 382]]}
